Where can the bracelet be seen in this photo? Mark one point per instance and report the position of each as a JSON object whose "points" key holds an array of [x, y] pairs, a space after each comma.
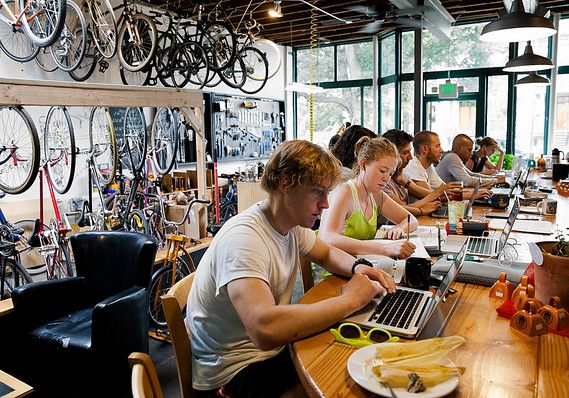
{"points": [[358, 262]]}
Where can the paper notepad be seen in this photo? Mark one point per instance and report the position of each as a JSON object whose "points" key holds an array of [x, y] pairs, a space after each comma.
{"points": [[535, 227]]}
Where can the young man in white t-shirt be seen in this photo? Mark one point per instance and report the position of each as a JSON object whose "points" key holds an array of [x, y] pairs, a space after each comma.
{"points": [[240, 314]]}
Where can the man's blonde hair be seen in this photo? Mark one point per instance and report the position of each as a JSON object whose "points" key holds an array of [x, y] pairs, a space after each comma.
{"points": [[299, 163], [372, 149]]}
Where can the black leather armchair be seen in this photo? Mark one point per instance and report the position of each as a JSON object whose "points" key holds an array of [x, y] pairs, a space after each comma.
{"points": [[78, 332]]}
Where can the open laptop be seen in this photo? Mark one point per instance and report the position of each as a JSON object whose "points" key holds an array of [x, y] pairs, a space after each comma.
{"points": [[483, 246], [406, 311], [516, 181], [442, 212]]}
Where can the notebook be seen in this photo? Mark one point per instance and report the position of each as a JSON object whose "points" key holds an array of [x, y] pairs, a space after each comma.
{"points": [[406, 311], [442, 212], [483, 246]]}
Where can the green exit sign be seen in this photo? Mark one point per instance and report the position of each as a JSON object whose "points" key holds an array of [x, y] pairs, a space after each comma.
{"points": [[448, 90]]}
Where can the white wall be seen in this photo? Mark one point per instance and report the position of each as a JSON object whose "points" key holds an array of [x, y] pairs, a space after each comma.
{"points": [[274, 89]]}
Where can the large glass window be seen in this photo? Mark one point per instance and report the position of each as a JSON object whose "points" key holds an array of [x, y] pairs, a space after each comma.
{"points": [[407, 106], [530, 120], [407, 52], [449, 118], [539, 47], [355, 61], [497, 111], [560, 137], [388, 56], [563, 43], [387, 107], [463, 51], [369, 108], [322, 61]]}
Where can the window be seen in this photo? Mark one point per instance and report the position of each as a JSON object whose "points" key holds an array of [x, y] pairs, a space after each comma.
{"points": [[463, 51], [407, 52], [388, 56], [530, 121], [407, 106], [387, 107], [560, 137], [355, 61], [563, 43], [497, 111], [539, 47], [324, 67], [449, 118]]}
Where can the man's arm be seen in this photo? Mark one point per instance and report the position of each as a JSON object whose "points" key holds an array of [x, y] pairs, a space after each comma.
{"points": [[460, 173]]}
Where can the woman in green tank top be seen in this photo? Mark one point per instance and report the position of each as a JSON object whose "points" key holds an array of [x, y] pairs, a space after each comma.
{"points": [[350, 222]]}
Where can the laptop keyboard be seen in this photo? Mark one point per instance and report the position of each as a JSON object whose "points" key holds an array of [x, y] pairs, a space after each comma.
{"points": [[397, 309], [480, 245]]}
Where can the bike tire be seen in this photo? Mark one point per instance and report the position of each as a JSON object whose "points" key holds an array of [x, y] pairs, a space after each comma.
{"points": [[66, 258], [104, 27], [164, 139], [59, 148], [103, 144], [140, 78], [14, 275], [13, 41], [234, 75], [135, 138], [220, 44], [87, 66], [68, 49], [133, 56], [31, 256], [44, 59], [19, 137], [256, 64], [272, 53], [137, 222], [160, 283], [50, 13]]}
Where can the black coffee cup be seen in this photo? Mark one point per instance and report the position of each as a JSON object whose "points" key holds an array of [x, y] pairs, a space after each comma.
{"points": [[417, 273]]}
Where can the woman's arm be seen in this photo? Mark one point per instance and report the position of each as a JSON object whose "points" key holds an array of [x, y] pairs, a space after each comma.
{"points": [[498, 167]]}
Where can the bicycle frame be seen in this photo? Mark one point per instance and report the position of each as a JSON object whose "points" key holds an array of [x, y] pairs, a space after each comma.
{"points": [[15, 20]]}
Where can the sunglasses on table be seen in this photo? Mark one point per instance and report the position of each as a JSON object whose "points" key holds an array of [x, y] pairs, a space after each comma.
{"points": [[350, 333]]}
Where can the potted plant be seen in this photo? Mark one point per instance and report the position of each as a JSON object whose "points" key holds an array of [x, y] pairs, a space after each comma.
{"points": [[552, 277]]}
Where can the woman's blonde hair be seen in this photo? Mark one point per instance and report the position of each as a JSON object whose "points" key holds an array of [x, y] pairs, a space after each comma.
{"points": [[299, 163], [372, 149]]}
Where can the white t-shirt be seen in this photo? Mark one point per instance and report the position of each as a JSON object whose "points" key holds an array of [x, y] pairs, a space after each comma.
{"points": [[246, 247], [415, 171]]}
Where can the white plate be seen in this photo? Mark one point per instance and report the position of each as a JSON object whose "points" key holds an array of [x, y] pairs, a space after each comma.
{"points": [[359, 368]]}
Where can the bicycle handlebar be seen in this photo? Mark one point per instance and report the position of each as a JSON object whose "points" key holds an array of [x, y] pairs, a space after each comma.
{"points": [[187, 212]]}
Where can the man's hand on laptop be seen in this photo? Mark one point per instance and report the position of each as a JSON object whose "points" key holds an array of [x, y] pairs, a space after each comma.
{"points": [[377, 275], [360, 290], [484, 193], [395, 248]]}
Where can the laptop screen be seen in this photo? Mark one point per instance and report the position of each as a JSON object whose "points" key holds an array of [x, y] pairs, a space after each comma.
{"points": [[509, 224], [472, 198], [453, 271]]}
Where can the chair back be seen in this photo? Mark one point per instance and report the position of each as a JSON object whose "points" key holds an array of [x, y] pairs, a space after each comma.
{"points": [[144, 380], [174, 303], [112, 261]]}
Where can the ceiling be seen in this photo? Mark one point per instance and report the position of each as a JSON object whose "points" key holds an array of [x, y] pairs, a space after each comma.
{"points": [[293, 29]]}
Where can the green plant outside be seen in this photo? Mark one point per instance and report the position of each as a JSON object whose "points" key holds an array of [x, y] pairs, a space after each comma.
{"points": [[508, 160]]}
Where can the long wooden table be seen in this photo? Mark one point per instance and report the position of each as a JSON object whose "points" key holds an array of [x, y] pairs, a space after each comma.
{"points": [[499, 361]]}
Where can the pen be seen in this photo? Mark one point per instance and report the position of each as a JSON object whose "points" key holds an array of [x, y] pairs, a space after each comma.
{"points": [[408, 221]]}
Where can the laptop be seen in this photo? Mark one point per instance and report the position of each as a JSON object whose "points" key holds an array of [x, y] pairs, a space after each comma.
{"points": [[442, 212], [504, 191], [405, 312], [483, 246]]}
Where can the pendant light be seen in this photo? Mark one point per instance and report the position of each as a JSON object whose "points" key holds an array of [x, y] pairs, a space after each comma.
{"points": [[528, 62], [517, 25], [276, 11], [534, 80]]}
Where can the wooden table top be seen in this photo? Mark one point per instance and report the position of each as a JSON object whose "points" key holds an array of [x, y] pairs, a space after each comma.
{"points": [[20, 389], [499, 361]]}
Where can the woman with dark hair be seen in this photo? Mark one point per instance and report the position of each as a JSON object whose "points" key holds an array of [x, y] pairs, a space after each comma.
{"points": [[344, 149], [479, 162]]}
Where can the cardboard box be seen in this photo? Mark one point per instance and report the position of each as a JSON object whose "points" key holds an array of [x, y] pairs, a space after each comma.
{"points": [[195, 225], [193, 178]]}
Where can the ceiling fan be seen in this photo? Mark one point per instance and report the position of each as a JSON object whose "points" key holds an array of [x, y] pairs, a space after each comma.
{"points": [[378, 13]]}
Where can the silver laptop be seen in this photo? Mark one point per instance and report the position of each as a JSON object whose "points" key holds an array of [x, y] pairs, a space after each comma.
{"points": [[442, 212], [406, 311], [483, 246], [516, 181]]}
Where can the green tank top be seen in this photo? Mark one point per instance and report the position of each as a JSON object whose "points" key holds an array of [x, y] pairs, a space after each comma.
{"points": [[357, 226]]}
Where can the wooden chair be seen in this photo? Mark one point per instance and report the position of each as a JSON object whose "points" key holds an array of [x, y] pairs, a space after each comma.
{"points": [[144, 380], [174, 303]]}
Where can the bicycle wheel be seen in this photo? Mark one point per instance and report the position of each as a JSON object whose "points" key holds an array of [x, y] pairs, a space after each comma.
{"points": [[272, 53], [19, 150], [234, 75], [137, 42], [13, 41], [69, 48], [59, 148], [45, 60], [164, 139], [135, 138], [161, 282], [51, 17], [104, 27], [219, 43], [140, 78], [198, 66], [227, 211], [89, 62], [137, 222], [30, 255], [103, 144], [256, 64], [14, 275]]}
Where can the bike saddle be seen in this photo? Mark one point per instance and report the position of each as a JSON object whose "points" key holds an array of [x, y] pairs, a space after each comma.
{"points": [[34, 239], [84, 221]]}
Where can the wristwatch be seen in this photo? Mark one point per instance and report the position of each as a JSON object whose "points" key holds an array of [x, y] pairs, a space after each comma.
{"points": [[358, 262]]}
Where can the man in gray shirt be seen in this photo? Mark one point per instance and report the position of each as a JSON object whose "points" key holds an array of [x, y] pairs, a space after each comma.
{"points": [[451, 167]]}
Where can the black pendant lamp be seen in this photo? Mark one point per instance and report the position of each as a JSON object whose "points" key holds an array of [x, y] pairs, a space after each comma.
{"points": [[517, 25], [534, 80], [528, 62]]}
